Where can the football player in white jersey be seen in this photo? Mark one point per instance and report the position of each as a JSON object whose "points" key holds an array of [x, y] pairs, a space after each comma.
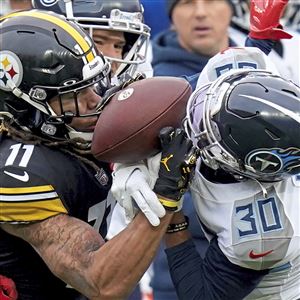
{"points": [[246, 190], [254, 231]]}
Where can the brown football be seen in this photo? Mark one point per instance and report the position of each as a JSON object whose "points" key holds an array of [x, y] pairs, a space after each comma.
{"points": [[127, 129]]}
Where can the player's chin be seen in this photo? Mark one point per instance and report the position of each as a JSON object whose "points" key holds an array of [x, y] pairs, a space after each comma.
{"points": [[90, 128], [87, 124], [85, 127]]}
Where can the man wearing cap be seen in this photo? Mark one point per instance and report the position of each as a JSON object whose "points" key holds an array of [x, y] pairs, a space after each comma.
{"points": [[199, 31]]}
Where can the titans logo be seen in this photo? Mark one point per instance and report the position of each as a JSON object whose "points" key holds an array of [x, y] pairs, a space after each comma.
{"points": [[272, 161]]}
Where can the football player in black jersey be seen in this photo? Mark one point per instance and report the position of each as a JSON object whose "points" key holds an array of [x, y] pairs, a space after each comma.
{"points": [[54, 200]]}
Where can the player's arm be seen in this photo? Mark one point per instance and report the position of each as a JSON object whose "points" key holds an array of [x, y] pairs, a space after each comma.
{"points": [[76, 253], [211, 278]]}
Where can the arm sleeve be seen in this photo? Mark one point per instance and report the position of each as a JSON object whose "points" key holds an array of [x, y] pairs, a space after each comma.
{"points": [[265, 46], [211, 278]]}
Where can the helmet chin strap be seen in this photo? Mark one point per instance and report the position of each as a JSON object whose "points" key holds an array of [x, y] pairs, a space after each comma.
{"points": [[87, 136], [264, 190]]}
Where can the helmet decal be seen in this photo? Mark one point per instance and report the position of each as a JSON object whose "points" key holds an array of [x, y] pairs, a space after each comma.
{"points": [[272, 161], [264, 161], [11, 70]]}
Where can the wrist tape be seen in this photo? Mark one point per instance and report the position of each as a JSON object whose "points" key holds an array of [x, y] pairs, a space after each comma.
{"points": [[173, 228], [168, 204]]}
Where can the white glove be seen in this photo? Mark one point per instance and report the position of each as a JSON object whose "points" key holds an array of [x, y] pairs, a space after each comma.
{"points": [[132, 188]]}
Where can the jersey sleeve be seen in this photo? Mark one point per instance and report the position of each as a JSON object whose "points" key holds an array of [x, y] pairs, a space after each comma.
{"points": [[26, 197], [211, 278]]}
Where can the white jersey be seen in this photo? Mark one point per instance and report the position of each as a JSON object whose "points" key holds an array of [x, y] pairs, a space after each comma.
{"points": [[235, 58], [255, 232], [289, 64]]}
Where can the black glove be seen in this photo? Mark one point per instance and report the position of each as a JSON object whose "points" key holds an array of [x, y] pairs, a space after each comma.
{"points": [[176, 166]]}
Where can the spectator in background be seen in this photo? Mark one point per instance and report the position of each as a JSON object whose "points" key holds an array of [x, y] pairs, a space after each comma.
{"points": [[197, 34]]}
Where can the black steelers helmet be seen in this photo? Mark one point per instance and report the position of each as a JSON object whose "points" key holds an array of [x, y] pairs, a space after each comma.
{"points": [[42, 55], [247, 122], [117, 15]]}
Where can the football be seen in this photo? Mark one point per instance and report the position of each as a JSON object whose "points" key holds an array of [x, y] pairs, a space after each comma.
{"points": [[128, 127]]}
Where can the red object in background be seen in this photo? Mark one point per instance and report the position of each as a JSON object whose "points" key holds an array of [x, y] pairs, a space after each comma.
{"points": [[265, 19], [8, 289]]}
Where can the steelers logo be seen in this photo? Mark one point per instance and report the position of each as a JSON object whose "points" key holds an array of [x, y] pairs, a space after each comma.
{"points": [[124, 95], [11, 70]]}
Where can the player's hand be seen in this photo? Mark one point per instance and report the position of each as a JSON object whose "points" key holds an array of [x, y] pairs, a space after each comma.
{"points": [[8, 289], [132, 187], [265, 19], [176, 167]]}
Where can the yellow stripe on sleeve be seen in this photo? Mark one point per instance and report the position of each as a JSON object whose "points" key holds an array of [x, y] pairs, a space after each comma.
{"points": [[27, 190], [30, 211]]}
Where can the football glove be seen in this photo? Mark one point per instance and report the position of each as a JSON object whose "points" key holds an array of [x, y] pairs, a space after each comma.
{"points": [[176, 167], [264, 20], [132, 187]]}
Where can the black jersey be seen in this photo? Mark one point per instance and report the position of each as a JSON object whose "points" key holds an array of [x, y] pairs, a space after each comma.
{"points": [[37, 182]]}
